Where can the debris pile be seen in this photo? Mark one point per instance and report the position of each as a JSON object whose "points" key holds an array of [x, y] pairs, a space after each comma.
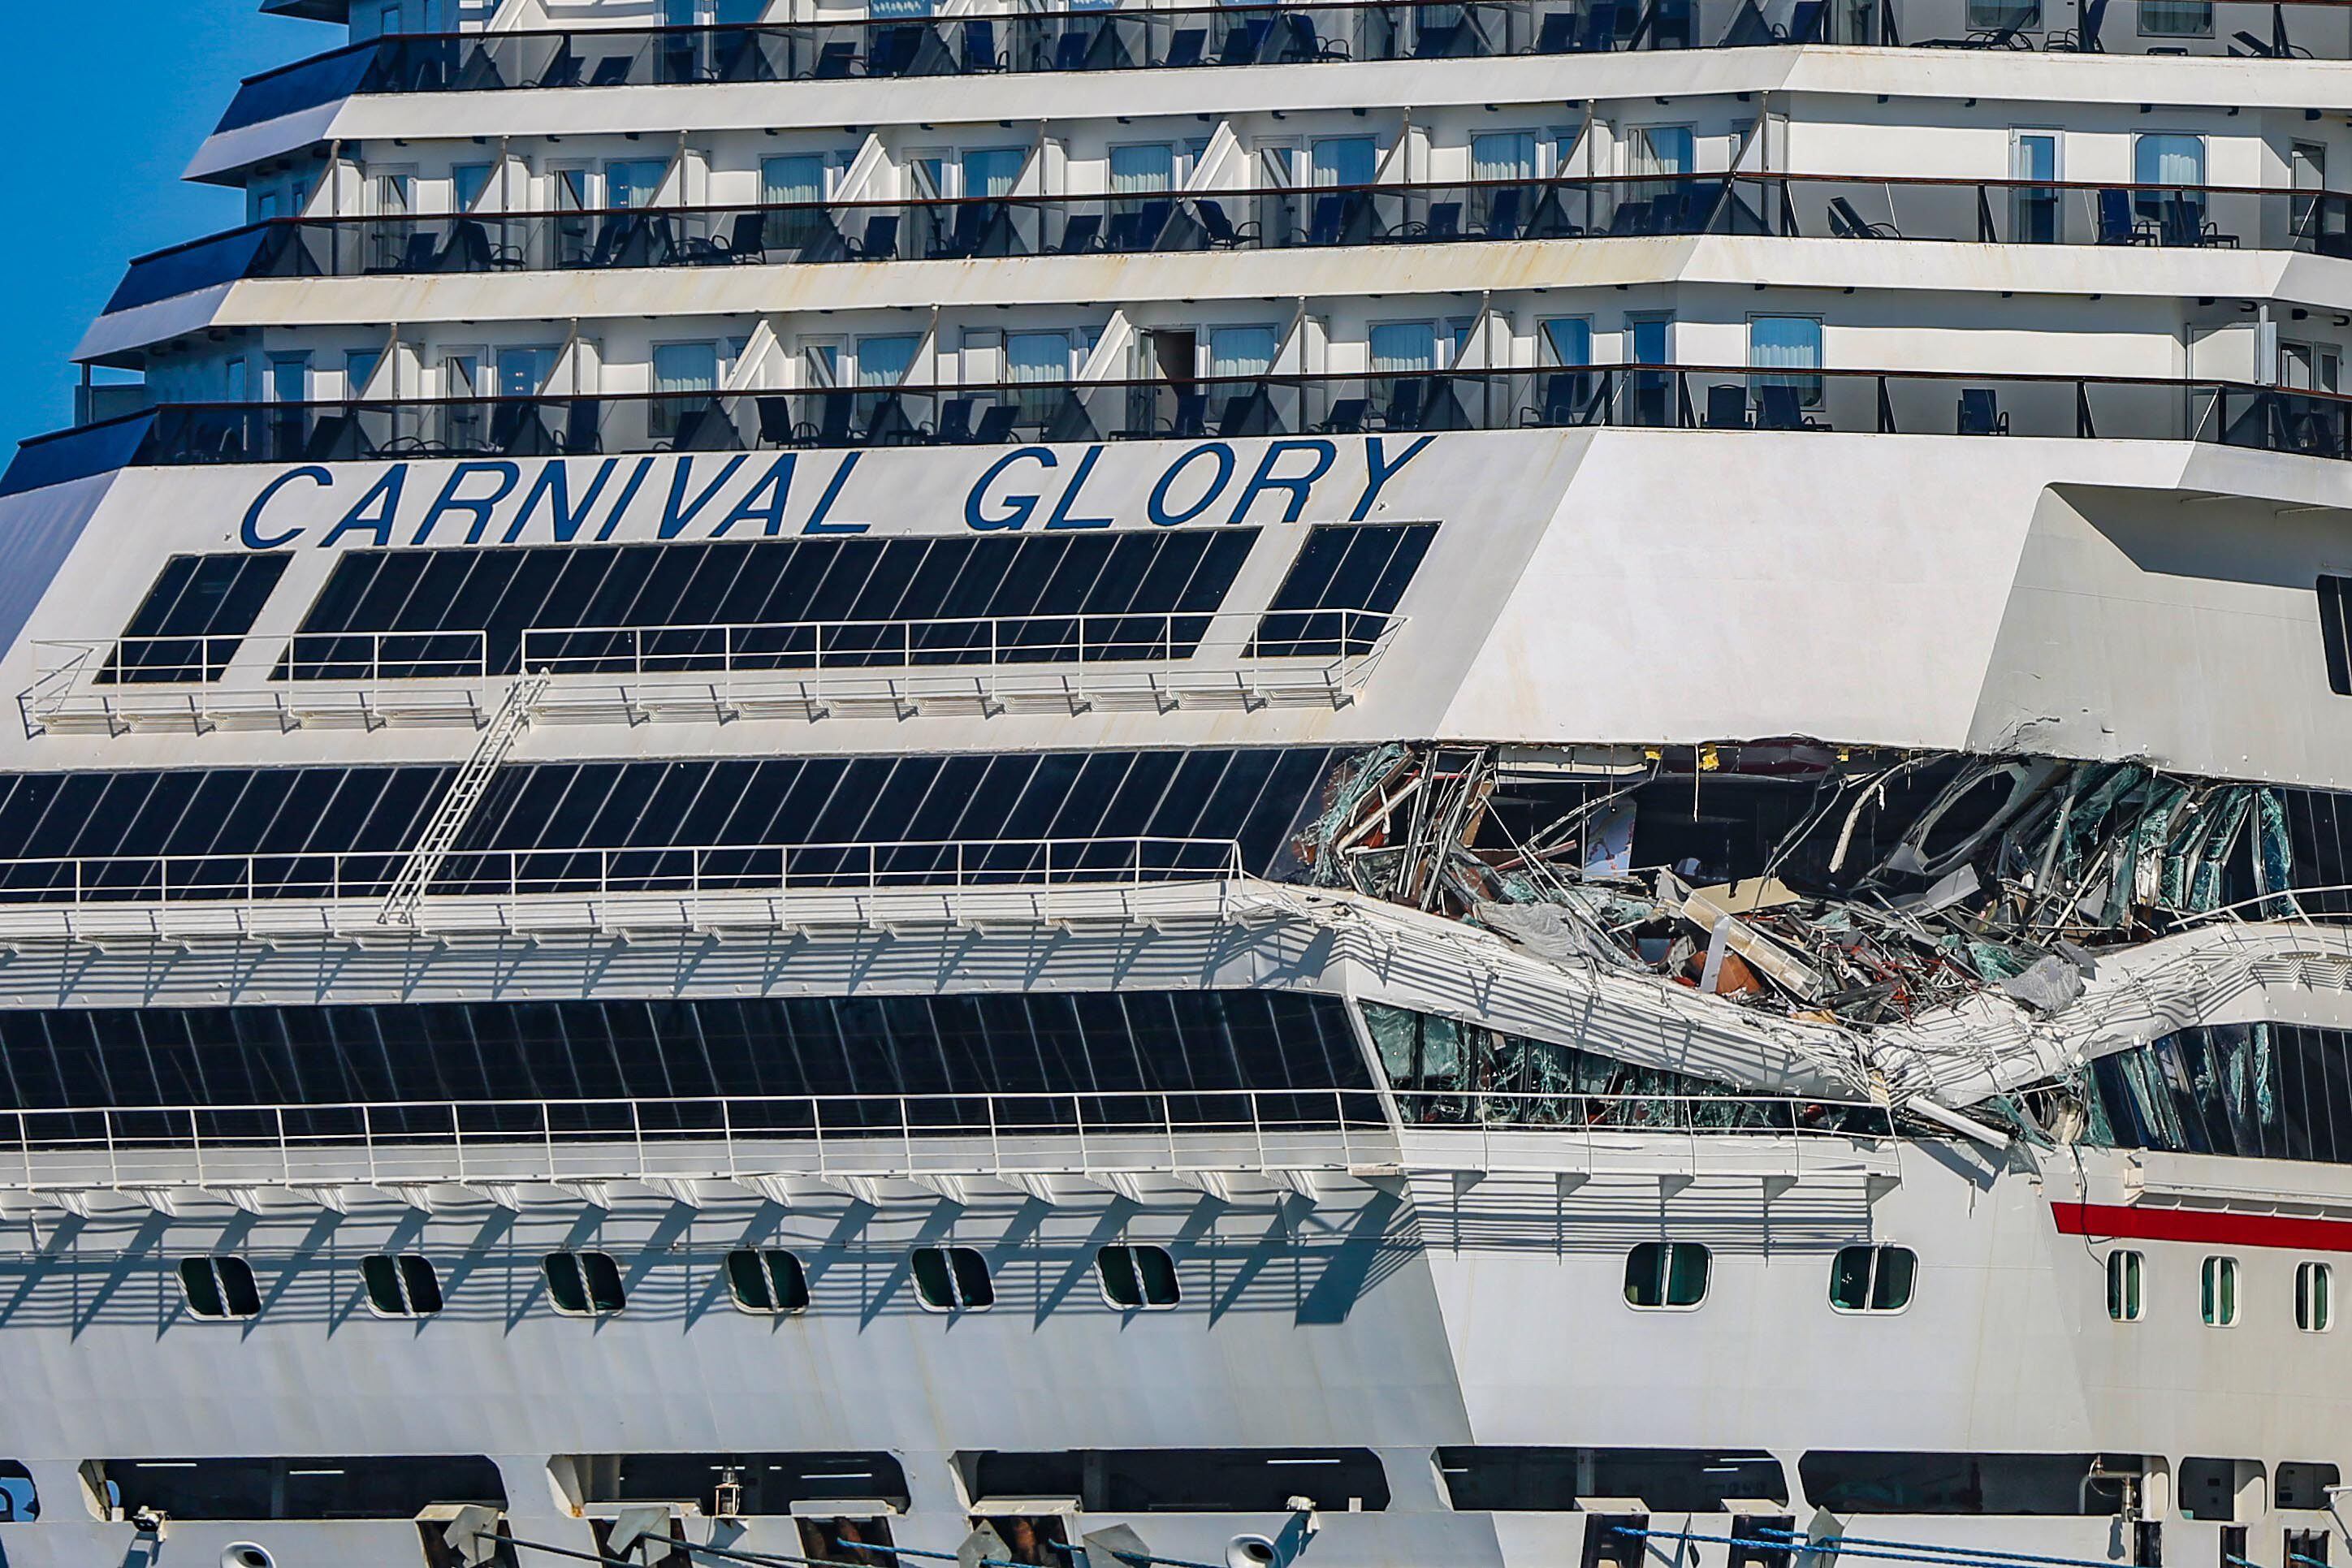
{"points": [[1839, 886]]}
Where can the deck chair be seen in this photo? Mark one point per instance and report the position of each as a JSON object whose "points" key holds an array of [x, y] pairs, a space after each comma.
{"points": [[1979, 413], [1727, 406]]}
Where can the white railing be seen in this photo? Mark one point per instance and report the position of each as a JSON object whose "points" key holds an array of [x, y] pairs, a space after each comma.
{"points": [[883, 1136], [867, 867], [1228, 638], [128, 664], [1154, 662]]}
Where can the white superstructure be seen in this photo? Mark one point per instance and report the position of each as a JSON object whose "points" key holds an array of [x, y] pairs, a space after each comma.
{"points": [[1522, 783]]}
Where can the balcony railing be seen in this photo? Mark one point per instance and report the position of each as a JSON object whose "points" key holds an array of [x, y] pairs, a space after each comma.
{"points": [[869, 867], [1134, 37], [398, 1144], [1820, 206], [1153, 663], [1684, 397]]}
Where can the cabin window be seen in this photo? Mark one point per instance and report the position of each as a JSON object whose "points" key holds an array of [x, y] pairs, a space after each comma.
{"points": [[1667, 1274], [20, 1500], [1484, 1479], [1136, 1277], [2302, 1484], [2335, 613], [1872, 1279], [2126, 1299], [381, 1485], [584, 1284], [767, 1280], [2315, 1300], [765, 1484], [2218, 1292], [401, 1286], [219, 1287], [952, 1278], [1854, 1481], [1185, 1481]]}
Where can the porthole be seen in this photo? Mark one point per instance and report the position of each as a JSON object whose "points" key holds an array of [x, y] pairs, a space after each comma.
{"points": [[1667, 1274], [767, 1280], [2127, 1288], [2219, 1292], [404, 1285], [952, 1278], [584, 1284], [1872, 1279], [1137, 1278], [219, 1287]]}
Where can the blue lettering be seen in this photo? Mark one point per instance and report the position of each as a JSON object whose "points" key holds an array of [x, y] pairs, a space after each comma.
{"points": [[554, 486], [1063, 507], [1378, 473], [250, 533], [1299, 485], [816, 523], [777, 484], [1158, 506], [383, 500], [1019, 509], [509, 476], [628, 493], [677, 513]]}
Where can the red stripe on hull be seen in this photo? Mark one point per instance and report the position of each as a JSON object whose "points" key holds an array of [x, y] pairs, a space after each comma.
{"points": [[2126, 1223]]}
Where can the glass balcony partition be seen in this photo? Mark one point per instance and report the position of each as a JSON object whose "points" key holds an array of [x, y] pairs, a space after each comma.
{"points": [[1153, 219], [1239, 401], [1131, 36]]}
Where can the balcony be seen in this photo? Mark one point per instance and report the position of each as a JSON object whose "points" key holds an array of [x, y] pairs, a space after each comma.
{"points": [[1131, 37], [1796, 207], [809, 671], [1723, 398]]}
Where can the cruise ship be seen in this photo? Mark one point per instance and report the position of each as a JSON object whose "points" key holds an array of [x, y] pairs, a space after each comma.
{"points": [[1506, 784]]}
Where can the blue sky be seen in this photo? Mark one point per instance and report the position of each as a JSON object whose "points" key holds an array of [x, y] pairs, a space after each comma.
{"points": [[104, 107]]}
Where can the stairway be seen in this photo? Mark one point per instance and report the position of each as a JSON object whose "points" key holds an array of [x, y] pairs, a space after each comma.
{"points": [[465, 793]]}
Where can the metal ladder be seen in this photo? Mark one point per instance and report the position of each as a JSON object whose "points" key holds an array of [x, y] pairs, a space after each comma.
{"points": [[465, 793]]}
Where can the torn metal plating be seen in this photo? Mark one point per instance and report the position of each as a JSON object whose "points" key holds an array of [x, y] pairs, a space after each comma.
{"points": [[1945, 910]]}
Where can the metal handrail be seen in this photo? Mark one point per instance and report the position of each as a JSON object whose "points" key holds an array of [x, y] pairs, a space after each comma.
{"points": [[868, 866], [965, 1131], [131, 661], [968, 642]]}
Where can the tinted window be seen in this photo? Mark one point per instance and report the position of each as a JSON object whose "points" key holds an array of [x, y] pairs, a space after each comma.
{"points": [[1127, 583], [767, 1280], [377, 1487], [584, 1284], [194, 617]]}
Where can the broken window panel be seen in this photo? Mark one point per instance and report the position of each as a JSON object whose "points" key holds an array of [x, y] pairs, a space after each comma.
{"points": [[1448, 1072], [1851, 1482], [1852, 886], [1662, 1274], [2257, 1090]]}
